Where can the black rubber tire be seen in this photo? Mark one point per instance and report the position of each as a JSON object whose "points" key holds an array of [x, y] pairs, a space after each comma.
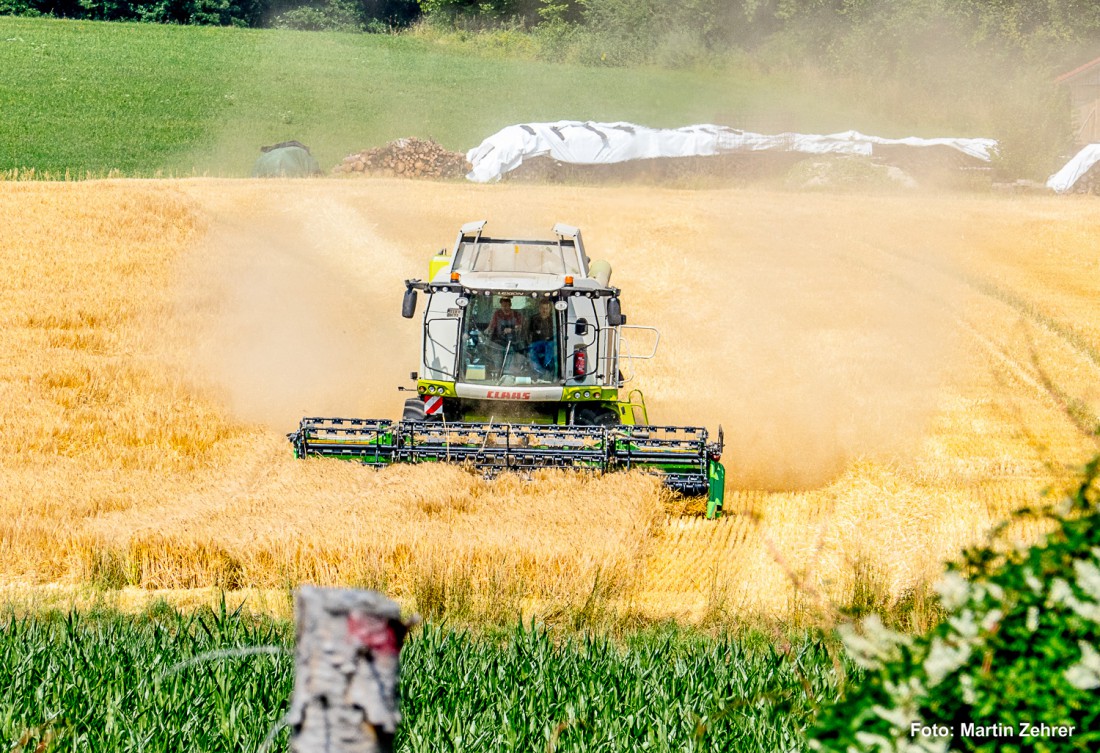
{"points": [[414, 410], [596, 417]]}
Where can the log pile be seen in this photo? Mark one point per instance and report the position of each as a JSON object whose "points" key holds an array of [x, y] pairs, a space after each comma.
{"points": [[406, 158], [740, 168]]}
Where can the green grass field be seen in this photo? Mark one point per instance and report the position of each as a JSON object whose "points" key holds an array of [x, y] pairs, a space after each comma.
{"points": [[146, 100], [221, 681]]}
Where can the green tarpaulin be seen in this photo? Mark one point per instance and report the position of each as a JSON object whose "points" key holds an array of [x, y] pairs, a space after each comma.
{"points": [[287, 160]]}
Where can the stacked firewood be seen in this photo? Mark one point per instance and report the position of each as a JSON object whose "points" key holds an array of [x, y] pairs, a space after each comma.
{"points": [[406, 158]]}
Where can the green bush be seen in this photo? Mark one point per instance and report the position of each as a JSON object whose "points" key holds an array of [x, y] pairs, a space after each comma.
{"points": [[371, 15], [1019, 646], [450, 10], [18, 8], [330, 15], [200, 12]]}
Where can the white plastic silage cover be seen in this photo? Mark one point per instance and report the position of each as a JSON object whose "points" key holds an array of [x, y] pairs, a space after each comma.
{"points": [[587, 143], [1080, 164]]}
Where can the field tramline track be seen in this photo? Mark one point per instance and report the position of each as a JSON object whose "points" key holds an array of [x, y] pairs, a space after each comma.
{"points": [[1034, 376]]}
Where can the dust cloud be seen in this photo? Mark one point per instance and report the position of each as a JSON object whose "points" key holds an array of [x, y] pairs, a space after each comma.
{"points": [[290, 295], [814, 328], [834, 346]]}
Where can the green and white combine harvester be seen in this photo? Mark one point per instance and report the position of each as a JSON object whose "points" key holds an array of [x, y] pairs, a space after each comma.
{"points": [[520, 370]]}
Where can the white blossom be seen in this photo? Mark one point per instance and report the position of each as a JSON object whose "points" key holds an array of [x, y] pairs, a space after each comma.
{"points": [[1032, 619], [910, 692], [969, 695], [978, 592], [953, 590], [1062, 594], [943, 659], [898, 718], [906, 697], [1088, 578], [877, 631], [875, 742], [990, 620], [1033, 582], [964, 624], [864, 652], [1089, 610], [875, 646], [1085, 674], [1059, 592]]}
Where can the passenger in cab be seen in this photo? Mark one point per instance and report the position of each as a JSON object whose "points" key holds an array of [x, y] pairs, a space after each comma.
{"points": [[542, 351]]}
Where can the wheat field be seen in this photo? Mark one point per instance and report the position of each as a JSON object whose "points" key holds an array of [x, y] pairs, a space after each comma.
{"points": [[894, 373]]}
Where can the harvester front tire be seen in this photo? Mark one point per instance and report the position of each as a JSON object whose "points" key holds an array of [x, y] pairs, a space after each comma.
{"points": [[596, 417], [414, 410]]}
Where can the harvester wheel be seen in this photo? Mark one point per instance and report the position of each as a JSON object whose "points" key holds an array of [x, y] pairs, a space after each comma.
{"points": [[596, 417], [414, 410]]}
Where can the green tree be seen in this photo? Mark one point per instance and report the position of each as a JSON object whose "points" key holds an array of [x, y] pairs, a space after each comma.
{"points": [[493, 10]]}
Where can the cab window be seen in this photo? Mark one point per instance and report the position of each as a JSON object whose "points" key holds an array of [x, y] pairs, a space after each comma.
{"points": [[510, 339]]}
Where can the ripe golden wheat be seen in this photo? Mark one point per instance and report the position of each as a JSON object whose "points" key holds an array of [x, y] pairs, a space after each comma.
{"points": [[895, 375]]}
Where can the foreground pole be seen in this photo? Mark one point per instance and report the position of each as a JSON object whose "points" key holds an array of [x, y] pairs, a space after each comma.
{"points": [[345, 682]]}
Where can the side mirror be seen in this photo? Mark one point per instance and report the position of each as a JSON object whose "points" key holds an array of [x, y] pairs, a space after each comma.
{"points": [[581, 328], [615, 313], [408, 305]]}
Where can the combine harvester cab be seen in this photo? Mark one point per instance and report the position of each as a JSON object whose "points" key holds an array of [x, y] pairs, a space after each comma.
{"points": [[520, 356]]}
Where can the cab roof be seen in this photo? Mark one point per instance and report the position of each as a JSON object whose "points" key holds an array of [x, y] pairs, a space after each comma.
{"points": [[560, 256]]}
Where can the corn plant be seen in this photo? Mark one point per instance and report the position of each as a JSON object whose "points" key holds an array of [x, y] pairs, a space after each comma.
{"points": [[219, 680]]}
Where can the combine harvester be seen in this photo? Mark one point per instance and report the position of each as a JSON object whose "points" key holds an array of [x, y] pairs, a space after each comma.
{"points": [[520, 370]]}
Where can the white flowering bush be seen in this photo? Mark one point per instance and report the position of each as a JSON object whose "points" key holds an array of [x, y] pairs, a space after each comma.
{"points": [[1014, 666]]}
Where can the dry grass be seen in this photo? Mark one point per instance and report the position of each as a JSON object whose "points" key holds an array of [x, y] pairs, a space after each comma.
{"points": [[895, 375]]}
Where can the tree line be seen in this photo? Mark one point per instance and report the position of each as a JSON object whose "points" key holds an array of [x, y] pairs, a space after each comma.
{"points": [[340, 15], [817, 27]]}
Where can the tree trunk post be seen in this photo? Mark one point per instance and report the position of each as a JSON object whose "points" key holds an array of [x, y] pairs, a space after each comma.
{"points": [[345, 682]]}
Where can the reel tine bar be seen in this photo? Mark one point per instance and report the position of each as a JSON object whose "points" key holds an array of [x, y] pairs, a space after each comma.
{"points": [[367, 440], [679, 452]]}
